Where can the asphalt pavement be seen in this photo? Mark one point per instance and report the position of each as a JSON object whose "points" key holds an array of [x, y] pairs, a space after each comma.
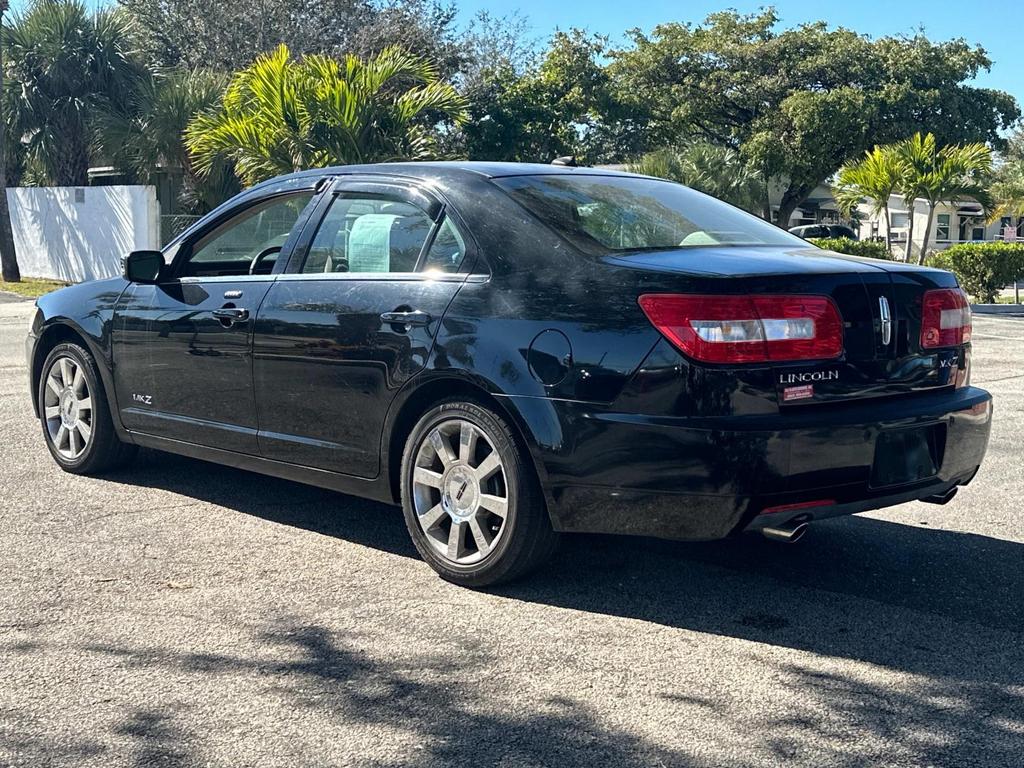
{"points": [[182, 613]]}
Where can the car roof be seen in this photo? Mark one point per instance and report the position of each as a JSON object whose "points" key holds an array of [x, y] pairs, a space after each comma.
{"points": [[450, 168]]}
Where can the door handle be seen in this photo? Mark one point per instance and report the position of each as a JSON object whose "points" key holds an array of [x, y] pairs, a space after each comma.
{"points": [[408, 319], [231, 315]]}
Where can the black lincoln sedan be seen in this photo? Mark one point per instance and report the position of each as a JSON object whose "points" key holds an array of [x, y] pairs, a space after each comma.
{"points": [[514, 351]]}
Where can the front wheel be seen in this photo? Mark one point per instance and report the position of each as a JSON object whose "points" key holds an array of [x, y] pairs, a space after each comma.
{"points": [[76, 419], [471, 501]]}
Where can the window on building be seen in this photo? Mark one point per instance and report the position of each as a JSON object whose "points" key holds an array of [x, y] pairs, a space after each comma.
{"points": [[942, 227], [900, 220], [977, 233]]}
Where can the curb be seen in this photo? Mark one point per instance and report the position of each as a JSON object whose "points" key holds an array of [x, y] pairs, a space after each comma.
{"points": [[1007, 310]]}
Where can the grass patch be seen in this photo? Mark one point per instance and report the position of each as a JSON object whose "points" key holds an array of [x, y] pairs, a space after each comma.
{"points": [[31, 287]]}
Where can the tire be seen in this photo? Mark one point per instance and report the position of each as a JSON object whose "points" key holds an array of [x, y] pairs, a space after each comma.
{"points": [[442, 490], [75, 414]]}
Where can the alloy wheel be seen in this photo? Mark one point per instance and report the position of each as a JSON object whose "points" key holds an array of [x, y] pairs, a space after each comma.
{"points": [[460, 492], [67, 407]]}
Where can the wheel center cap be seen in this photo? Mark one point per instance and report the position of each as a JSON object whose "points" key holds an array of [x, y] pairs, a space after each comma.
{"points": [[461, 492], [68, 408]]}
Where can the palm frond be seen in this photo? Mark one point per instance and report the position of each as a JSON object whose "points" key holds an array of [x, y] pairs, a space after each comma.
{"points": [[283, 114]]}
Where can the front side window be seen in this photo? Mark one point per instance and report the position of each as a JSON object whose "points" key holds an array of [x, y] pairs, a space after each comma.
{"points": [[602, 214], [259, 231], [368, 233]]}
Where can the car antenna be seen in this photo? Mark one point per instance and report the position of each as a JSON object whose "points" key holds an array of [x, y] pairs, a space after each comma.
{"points": [[566, 160]]}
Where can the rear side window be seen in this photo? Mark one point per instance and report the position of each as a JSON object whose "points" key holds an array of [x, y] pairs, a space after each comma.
{"points": [[602, 214], [447, 251], [361, 234]]}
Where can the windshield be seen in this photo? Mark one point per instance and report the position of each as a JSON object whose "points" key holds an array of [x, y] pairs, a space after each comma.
{"points": [[628, 213]]}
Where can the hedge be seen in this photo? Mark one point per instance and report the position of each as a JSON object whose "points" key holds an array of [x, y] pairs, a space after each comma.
{"points": [[872, 249], [982, 269]]}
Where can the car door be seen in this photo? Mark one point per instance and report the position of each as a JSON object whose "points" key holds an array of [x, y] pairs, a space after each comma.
{"points": [[353, 318], [182, 346]]}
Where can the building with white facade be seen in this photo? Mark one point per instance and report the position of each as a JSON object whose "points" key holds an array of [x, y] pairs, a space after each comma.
{"points": [[958, 222]]}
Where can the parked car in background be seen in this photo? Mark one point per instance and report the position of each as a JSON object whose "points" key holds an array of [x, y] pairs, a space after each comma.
{"points": [[513, 351], [808, 231]]}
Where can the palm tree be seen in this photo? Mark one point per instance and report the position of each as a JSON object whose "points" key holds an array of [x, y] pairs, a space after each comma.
{"points": [[874, 177], [1008, 191], [280, 115], [9, 270], [938, 175], [145, 134], [68, 63], [715, 170]]}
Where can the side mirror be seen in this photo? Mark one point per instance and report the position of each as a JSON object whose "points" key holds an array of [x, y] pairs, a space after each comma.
{"points": [[143, 266]]}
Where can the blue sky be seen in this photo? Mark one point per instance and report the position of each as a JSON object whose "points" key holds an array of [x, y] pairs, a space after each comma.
{"points": [[998, 25]]}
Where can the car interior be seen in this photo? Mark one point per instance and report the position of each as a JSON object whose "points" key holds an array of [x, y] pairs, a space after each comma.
{"points": [[358, 234], [249, 243], [368, 235]]}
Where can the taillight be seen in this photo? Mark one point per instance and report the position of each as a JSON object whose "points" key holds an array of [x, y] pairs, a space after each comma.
{"points": [[945, 318], [748, 329]]}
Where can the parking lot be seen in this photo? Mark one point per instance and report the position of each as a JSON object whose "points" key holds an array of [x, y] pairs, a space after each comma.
{"points": [[181, 613]]}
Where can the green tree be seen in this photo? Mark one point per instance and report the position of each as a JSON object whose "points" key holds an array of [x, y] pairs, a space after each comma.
{"points": [[281, 115], [9, 270], [229, 34], [145, 134], [558, 105], [1008, 193], [1008, 181], [69, 64], [714, 170], [801, 102], [875, 177], [940, 174]]}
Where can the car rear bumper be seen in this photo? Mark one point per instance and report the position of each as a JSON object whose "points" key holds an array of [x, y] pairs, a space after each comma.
{"points": [[704, 479]]}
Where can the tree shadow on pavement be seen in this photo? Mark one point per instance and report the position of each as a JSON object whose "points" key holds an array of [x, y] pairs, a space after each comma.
{"points": [[315, 669]]}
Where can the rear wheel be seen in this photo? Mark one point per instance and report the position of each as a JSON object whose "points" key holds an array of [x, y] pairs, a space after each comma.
{"points": [[75, 416], [472, 503]]}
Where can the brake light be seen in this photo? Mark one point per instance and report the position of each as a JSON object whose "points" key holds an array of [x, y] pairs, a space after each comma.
{"points": [[945, 318], [748, 329]]}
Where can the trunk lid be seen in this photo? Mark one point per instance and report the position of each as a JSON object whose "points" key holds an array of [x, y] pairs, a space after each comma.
{"points": [[877, 361]]}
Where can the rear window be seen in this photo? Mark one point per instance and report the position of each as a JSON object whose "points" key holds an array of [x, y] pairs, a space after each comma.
{"points": [[622, 213]]}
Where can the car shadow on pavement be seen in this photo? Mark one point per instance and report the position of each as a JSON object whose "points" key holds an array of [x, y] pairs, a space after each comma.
{"points": [[365, 522], [941, 606], [744, 586], [969, 579]]}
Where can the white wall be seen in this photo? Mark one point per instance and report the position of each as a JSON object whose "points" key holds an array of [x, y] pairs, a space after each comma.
{"points": [[81, 233]]}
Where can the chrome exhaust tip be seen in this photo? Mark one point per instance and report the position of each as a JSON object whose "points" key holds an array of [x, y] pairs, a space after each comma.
{"points": [[787, 533]]}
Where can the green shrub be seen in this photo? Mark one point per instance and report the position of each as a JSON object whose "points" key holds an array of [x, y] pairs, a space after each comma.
{"points": [[872, 249], [982, 269]]}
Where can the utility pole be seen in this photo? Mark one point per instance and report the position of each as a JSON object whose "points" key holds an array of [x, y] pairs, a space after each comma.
{"points": [[8, 256]]}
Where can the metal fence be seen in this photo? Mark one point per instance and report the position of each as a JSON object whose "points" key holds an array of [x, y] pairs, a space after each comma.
{"points": [[171, 226]]}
